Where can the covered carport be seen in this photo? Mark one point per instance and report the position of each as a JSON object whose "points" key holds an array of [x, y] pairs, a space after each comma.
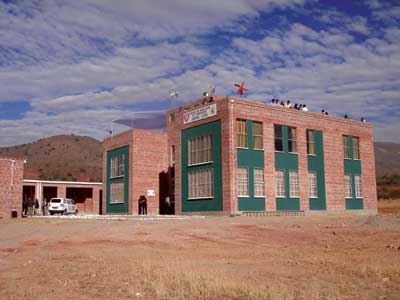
{"points": [[87, 195], [83, 197]]}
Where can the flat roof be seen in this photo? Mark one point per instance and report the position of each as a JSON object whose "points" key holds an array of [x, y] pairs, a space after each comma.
{"points": [[61, 182], [266, 105]]}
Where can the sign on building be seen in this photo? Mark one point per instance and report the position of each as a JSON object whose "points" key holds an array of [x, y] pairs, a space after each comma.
{"points": [[200, 113]]}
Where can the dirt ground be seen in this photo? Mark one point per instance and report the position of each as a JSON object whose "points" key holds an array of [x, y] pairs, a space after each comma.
{"points": [[312, 257]]}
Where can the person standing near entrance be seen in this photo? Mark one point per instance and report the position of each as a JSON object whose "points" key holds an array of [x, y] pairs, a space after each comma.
{"points": [[44, 206], [24, 207], [36, 206], [30, 204], [142, 205]]}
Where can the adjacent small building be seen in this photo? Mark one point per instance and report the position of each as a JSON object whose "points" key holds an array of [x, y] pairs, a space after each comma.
{"points": [[232, 155], [86, 195], [14, 189], [11, 176], [135, 163]]}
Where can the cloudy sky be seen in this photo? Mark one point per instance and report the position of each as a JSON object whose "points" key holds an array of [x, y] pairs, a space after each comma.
{"points": [[74, 66]]}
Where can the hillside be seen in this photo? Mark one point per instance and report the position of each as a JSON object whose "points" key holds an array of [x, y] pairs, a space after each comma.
{"points": [[70, 157], [62, 157], [387, 157]]}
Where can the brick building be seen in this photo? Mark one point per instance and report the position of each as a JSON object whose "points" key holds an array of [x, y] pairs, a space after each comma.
{"points": [[11, 175], [134, 164], [232, 155]]}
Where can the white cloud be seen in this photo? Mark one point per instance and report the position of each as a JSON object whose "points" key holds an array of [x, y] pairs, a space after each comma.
{"points": [[373, 4], [86, 62]]}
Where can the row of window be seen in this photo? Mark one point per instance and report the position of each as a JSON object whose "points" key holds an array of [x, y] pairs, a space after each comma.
{"points": [[241, 129], [201, 184], [349, 187], [200, 147], [117, 166]]}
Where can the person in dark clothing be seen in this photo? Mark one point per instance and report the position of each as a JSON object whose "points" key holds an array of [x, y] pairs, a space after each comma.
{"points": [[142, 205], [30, 205], [24, 207], [44, 206], [36, 206]]}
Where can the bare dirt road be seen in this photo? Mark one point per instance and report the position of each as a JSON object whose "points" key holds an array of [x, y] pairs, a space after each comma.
{"points": [[313, 257]]}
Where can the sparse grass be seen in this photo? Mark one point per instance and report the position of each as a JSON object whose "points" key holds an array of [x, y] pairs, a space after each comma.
{"points": [[188, 282], [389, 206], [217, 258]]}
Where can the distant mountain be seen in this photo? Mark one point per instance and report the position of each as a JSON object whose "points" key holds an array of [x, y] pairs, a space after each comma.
{"points": [[71, 157], [61, 157], [387, 158]]}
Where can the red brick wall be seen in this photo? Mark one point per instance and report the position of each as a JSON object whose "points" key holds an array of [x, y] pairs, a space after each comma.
{"points": [[11, 175], [229, 109], [149, 160], [148, 156]]}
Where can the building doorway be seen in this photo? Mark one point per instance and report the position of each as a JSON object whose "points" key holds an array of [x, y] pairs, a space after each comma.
{"points": [[83, 198], [28, 191], [49, 192]]}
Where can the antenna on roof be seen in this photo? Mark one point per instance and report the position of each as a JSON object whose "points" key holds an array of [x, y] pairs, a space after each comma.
{"points": [[173, 94]]}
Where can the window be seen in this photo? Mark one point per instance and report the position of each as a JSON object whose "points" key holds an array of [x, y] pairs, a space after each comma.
{"points": [[173, 155], [117, 192], [358, 186], [200, 150], [241, 133], [117, 166], [258, 182], [294, 183], [201, 184], [312, 184], [346, 147], [356, 148], [258, 135], [347, 186], [278, 137], [280, 183], [311, 142], [243, 182], [292, 143]]}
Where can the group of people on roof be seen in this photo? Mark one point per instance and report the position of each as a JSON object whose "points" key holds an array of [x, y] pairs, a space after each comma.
{"points": [[303, 107], [288, 104]]}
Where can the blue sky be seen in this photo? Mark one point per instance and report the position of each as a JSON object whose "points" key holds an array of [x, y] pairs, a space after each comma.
{"points": [[74, 66]]}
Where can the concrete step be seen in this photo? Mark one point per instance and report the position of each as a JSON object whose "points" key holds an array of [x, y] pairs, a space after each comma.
{"points": [[273, 213]]}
